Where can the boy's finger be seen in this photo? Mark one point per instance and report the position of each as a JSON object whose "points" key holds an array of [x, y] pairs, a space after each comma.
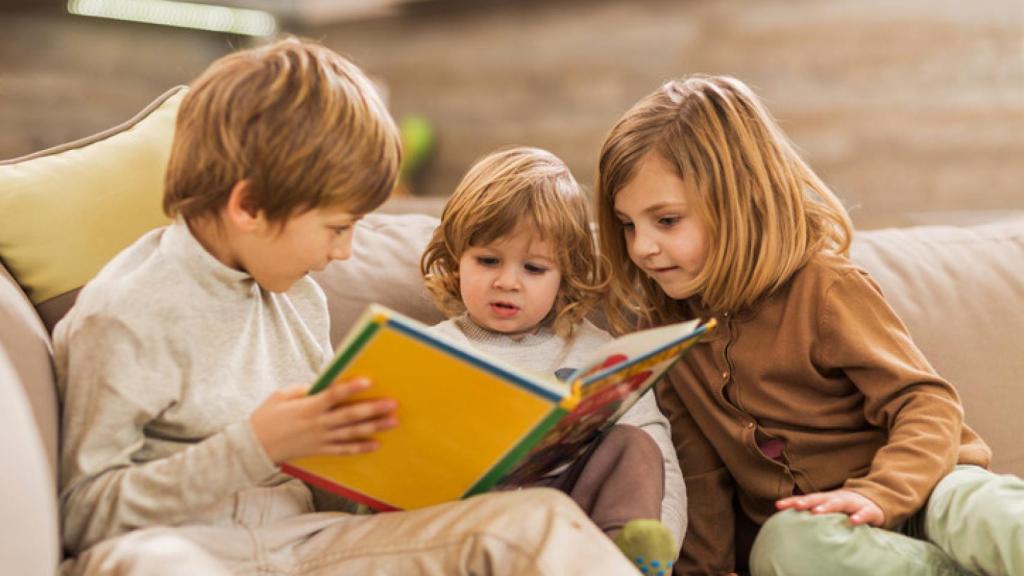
{"points": [[349, 448], [293, 391], [341, 391], [356, 412], [362, 431]]}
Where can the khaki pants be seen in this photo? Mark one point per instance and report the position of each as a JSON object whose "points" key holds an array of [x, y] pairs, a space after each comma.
{"points": [[532, 531], [973, 523]]}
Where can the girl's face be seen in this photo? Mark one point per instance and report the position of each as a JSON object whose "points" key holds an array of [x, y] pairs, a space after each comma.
{"points": [[510, 285], [665, 236]]}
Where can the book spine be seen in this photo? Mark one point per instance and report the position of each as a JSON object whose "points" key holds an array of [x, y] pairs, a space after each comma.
{"points": [[336, 367], [517, 453], [325, 484]]}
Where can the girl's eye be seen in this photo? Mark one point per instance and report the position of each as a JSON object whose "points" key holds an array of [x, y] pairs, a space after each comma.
{"points": [[535, 269], [487, 261], [668, 220]]}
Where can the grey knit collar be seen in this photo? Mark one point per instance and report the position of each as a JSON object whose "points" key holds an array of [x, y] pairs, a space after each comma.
{"points": [[539, 336]]}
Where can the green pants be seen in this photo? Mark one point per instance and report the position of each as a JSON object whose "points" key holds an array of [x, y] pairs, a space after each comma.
{"points": [[973, 523]]}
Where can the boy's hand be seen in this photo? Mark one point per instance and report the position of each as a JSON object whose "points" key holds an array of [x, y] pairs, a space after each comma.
{"points": [[860, 509], [291, 424]]}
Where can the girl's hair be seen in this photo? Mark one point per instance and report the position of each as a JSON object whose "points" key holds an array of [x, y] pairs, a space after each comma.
{"points": [[302, 124], [505, 189], [766, 212]]}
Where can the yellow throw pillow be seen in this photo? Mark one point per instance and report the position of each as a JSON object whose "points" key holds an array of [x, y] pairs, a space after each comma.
{"points": [[66, 211]]}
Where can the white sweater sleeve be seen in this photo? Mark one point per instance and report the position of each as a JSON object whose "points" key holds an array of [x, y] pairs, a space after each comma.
{"points": [[113, 383], [646, 416]]}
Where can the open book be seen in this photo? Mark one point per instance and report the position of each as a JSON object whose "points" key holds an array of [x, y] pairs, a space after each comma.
{"points": [[469, 422]]}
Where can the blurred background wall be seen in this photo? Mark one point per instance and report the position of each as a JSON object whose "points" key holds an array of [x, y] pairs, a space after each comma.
{"points": [[912, 111]]}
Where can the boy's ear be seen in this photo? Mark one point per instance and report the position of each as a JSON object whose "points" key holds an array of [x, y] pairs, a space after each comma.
{"points": [[241, 210]]}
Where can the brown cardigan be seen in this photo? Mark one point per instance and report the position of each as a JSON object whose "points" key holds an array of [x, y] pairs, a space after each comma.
{"points": [[825, 366]]}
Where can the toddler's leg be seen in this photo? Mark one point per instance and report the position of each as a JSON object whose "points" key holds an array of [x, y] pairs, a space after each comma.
{"points": [[977, 517], [796, 543], [621, 486], [534, 531], [622, 480]]}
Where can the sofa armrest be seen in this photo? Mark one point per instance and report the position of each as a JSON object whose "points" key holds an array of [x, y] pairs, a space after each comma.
{"points": [[27, 344], [29, 537]]}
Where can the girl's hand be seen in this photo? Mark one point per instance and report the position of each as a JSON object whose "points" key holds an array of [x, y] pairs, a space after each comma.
{"points": [[291, 424], [860, 509]]}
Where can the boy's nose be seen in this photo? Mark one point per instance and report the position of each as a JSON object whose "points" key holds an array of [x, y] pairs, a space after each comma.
{"points": [[340, 250]]}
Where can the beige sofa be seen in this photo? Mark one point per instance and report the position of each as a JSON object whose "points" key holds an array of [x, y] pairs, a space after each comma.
{"points": [[960, 291]]}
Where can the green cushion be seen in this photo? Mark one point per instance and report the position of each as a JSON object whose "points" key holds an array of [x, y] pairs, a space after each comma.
{"points": [[66, 211]]}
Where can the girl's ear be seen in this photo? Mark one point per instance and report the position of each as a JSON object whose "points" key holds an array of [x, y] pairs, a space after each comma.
{"points": [[241, 210]]}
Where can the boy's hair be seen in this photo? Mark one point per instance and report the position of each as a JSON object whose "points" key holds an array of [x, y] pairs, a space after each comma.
{"points": [[302, 124], [765, 210], [501, 191]]}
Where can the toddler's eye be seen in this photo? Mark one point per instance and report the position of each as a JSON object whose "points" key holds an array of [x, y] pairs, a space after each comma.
{"points": [[535, 269], [627, 225], [487, 260]]}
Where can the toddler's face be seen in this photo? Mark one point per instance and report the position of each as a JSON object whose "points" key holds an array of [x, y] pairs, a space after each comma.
{"points": [[510, 285], [665, 236]]}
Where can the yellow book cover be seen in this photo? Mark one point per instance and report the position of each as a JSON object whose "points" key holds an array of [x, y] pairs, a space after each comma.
{"points": [[467, 421]]}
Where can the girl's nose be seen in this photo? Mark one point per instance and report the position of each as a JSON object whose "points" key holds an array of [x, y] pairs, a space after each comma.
{"points": [[643, 244]]}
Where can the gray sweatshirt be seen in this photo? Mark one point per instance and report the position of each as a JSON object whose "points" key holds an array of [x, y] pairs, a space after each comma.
{"points": [[159, 364], [545, 352]]}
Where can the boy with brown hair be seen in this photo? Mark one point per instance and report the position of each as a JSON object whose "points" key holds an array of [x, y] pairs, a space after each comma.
{"points": [[173, 363]]}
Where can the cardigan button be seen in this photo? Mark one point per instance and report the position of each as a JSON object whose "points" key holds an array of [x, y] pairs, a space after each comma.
{"points": [[725, 375], [750, 425]]}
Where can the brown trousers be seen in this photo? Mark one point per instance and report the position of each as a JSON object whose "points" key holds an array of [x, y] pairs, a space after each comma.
{"points": [[620, 478]]}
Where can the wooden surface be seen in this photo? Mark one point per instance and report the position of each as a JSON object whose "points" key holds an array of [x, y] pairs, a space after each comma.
{"points": [[912, 111]]}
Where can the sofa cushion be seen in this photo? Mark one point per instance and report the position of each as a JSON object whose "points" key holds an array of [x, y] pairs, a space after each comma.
{"points": [[384, 268], [960, 292], [29, 537], [68, 210]]}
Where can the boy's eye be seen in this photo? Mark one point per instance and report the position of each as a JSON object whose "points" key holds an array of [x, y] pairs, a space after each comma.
{"points": [[487, 260], [339, 230], [535, 269]]}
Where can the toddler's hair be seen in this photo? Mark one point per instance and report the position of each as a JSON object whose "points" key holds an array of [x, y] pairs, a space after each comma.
{"points": [[765, 210], [302, 124], [505, 189]]}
